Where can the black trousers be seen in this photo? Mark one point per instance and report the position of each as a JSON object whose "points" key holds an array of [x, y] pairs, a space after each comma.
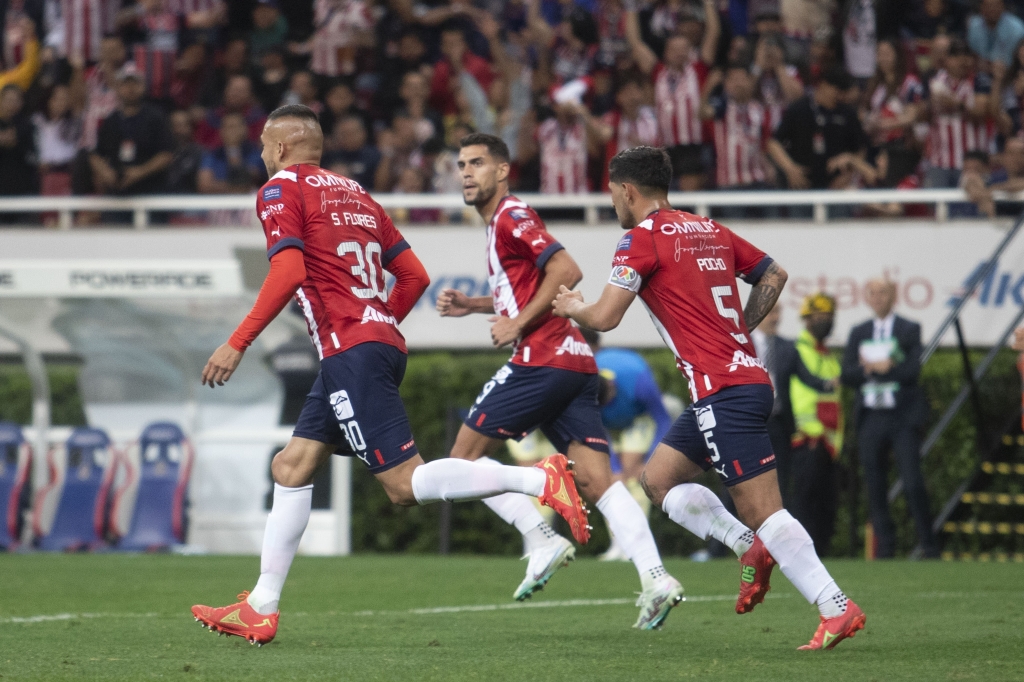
{"points": [[878, 432], [815, 494], [780, 433]]}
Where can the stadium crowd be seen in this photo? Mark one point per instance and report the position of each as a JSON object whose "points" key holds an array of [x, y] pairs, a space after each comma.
{"points": [[169, 96]]}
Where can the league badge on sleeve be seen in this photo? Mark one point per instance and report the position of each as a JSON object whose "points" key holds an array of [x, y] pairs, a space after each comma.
{"points": [[272, 192], [625, 277]]}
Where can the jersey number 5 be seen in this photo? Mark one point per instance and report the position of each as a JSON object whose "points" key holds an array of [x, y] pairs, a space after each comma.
{"points": [[725, 311], [374, 279]]}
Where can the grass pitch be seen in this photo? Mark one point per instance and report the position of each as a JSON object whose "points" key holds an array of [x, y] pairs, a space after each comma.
{"points": [[118, 617]]}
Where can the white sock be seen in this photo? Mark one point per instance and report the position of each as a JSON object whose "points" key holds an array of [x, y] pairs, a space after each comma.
{"points": [[518, 510], [699, 511], [791, 546], [285, 525], [458, 479], [628, 523]]}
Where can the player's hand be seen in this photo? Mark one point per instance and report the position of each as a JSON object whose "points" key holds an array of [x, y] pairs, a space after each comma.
{"points": [[566, 301], [453, 303], [221, 366], [1018, 339], [797, 177], [132, 174], [504, 330]]}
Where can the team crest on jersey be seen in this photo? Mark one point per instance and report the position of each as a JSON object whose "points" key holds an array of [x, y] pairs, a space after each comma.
{"points": [[519, 214], [625, 243], [574, 347], [271, 192], [741, 359], [625, 277]]}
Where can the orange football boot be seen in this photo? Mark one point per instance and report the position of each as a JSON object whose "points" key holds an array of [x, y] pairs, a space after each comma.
{"points": [[756, 566], [561, 495], [238, 619], [834, 630]]}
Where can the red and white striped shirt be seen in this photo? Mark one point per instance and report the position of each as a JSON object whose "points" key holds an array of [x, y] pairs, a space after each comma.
{"points": [[155, 57], [886, 106], [337, 22], [771, 93], [628, 133], [85, 23], [952, 135], [563, 157], [100, 102], [741, 133], [677, 99]]}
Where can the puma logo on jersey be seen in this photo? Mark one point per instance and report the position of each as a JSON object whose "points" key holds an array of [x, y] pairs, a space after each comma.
{"points": [[371, 314], [574, 347], [741, 359], [276, 233], [538, 240]]}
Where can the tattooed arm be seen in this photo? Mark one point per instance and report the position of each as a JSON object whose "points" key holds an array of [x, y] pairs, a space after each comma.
{"points": [[763, 295]]}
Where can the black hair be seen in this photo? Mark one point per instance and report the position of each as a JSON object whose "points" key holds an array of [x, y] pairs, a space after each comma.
{"points": [[837, 77], [958, 47], [738, 65], [648, 168], [496, 147], [975, 155], [583, 26], [299, 111]]}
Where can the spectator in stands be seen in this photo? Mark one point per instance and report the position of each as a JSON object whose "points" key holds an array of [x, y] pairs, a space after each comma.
{"points": [[742, 129], [415, 92], [860, 39], [565, 142], [678, 85], [979, 184], [159, 28], [238, 99], [181, 174], [23, 71], [190, 73], [778, 82], [18, 174], [272, 81], [882, 363], [892, 99], [20, 20], [456, 58], [815, 133], [571, 51], [269, 30], [134, 147], [339, 103], [1008, 95], [235, 167], [95, 88], [413, 180], [410, 54], [302, 90], [58, 132], [632, 123], [340, 27], [351, 155], [993, 33], [234, 61], [958, 107], [398, 149]]}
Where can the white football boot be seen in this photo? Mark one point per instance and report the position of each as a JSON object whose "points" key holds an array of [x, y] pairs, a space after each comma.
{"points": [[543, 564], [656, 602]]}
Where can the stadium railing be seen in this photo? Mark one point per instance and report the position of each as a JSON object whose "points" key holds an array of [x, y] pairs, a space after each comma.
{"points": [[819, 201]]}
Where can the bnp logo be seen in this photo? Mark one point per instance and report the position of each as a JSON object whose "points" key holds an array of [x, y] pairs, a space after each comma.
{"points": [[999, 287]]}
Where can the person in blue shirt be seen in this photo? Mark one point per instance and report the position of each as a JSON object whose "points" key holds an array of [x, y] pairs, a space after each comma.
{"points": [[993, 33], [235, 167], [633, 410]]}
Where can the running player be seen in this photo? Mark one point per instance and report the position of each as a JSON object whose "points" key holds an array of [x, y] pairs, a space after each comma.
{"points": [[550, 382], [329, 244], [683, 268]]}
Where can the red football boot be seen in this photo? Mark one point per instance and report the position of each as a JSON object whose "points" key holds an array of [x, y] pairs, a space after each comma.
{"points": [[756, 566], [834, 630], [561, 495], [239, 619]]}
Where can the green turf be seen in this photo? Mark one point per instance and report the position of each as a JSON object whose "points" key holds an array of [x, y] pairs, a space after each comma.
{"points": [[926, 621]]}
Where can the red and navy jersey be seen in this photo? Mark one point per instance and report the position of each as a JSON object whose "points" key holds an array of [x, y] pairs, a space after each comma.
{"points": [[518, 248], [347, 241], [684, 268]]}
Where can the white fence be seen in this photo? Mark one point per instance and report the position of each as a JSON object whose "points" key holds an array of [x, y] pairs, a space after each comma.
{"points": [[141, 207]]}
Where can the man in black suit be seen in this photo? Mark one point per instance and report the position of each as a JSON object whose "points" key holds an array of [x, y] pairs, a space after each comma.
{"points": [[882, 362], [782, 362]]}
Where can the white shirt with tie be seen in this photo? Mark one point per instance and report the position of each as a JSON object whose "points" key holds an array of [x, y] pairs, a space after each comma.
{"points": [[879, 395]]}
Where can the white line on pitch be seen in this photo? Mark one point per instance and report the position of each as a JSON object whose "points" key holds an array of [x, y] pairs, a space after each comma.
{"points": [[72, 616]]}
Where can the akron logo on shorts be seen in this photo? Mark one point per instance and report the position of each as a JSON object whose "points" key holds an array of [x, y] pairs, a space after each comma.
{"points": [[625, 277], [342, 405], [705, 418]]}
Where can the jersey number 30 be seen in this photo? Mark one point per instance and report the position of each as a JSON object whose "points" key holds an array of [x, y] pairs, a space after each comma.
{"points": [[374, 279]]}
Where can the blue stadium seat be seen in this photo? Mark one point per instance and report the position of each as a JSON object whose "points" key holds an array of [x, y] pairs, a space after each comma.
{"points": [[70, 513], [15, 466], [148, 513]]}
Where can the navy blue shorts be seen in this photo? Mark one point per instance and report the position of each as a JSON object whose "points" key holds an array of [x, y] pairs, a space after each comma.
{"points": [[560, 402], [354, 405], [728, 431]]}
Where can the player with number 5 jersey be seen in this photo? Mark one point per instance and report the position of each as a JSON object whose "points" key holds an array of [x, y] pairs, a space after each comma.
{"points": [[329, 244], [684, 269]]}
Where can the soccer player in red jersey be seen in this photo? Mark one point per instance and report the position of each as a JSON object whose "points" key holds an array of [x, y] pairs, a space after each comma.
{"points": [[550, 383], [329, 244], [683, 267]]}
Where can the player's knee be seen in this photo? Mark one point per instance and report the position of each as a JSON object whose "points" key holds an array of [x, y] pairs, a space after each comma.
{"points": [[287, 471], [655, 493], [401, 495]]}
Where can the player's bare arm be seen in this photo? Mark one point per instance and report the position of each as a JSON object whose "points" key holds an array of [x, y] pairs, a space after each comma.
{"points": [[602, 315], [560, 272], [454, 303], [764, 294], [1018, 339]]}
